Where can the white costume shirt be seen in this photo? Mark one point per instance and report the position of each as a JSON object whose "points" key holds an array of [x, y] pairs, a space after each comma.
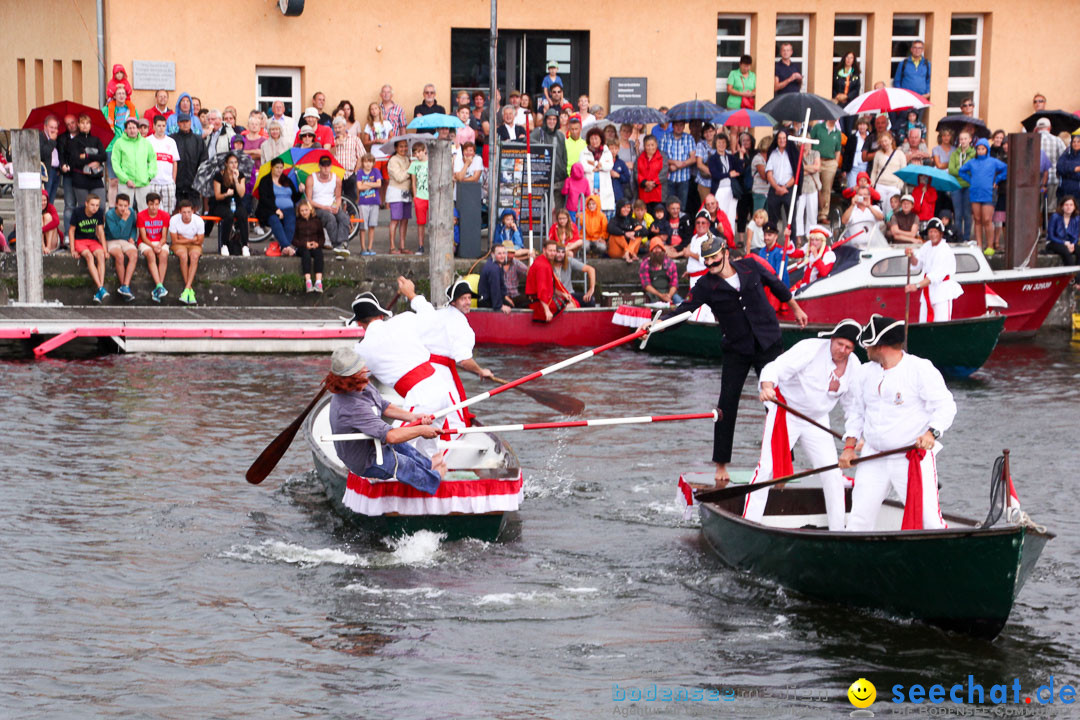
{"points": [[803, 374], [695, 265], [938, 262], [392, 347], [892, 408], [445, 331]]}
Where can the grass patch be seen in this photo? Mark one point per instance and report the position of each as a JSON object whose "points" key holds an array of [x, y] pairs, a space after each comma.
{"points": [[68, 281], [282, 284]]}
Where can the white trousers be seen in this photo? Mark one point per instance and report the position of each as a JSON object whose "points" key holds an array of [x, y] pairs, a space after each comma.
{"points": [[873, 480], [806, 207], [942, 310], [455, 419], [886, 192], [821, 451], [728, 205]]}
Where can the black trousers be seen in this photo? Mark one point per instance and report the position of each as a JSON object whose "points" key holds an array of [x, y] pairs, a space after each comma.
{"points": [[233, 230], [309, 258], [733, 376], [1067, 258]]}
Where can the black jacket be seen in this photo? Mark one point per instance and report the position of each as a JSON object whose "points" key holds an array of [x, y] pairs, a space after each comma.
{"points": [[192, 153], [266, 204], [848, 157], [853, 87], [79, 152], [504, 134], [492, 286], [744, 315]]}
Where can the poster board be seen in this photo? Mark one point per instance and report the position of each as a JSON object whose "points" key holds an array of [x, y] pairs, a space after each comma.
{"points": [[512, 186]]}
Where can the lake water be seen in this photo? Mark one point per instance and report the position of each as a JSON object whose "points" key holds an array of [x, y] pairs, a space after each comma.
{"points": [[142, 576]]}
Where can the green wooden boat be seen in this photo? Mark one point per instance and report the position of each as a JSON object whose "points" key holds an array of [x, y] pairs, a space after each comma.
{"points": [[964, 578], [382, 509], [957, 348]]}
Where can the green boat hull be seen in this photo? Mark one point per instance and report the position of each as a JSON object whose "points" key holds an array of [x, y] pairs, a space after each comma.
{"points": [[963, 579], [957, 348]]}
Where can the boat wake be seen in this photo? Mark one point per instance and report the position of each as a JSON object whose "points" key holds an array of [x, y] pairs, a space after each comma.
{"points": [[419, 549], [278, 551]]}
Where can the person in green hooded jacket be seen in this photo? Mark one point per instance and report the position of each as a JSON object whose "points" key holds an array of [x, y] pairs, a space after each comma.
{"points": [[134, 162]]}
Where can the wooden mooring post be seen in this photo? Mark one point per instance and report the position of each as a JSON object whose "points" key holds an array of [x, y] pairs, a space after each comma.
{"points": [[27, 165], [440, 219]]}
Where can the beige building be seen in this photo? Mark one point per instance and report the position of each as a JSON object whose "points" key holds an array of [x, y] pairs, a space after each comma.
{"points": [[248, 53]]}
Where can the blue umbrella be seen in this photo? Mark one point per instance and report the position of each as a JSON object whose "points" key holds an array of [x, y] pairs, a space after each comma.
{"points": [[694, 110], [435, 121], [637, 114], [744, 118], [939, 179]]}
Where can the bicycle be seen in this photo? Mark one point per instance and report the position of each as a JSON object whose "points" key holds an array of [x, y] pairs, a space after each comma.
{"points": [[258, 232]]}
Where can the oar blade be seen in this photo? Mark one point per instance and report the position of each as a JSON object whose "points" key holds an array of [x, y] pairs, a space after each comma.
{"points": [[564, 404], [272, 454]]}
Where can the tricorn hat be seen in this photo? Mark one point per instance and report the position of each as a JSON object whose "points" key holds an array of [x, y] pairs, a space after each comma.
{"points": [[882, 330], [847, 329], [458, 288], [366, 305]]}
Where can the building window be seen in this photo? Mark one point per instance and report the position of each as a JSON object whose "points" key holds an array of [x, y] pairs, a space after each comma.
{"points": [[273, 84], [794, 29], [849, 35], [732, 42], [965, 61], [906, 29]]}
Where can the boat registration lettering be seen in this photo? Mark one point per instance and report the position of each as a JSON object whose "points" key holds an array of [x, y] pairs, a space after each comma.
{"points": [[1029, 287]]}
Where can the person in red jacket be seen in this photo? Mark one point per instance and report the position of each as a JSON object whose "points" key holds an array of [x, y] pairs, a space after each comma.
{"points": [[651, 171], [925, 199], [862, 180], [547, 295]]}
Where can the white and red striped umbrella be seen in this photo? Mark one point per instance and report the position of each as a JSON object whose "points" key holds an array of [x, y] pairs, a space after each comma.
{"points": [[886, 100]]}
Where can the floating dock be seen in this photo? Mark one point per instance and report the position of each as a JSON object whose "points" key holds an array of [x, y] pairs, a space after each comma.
{"points": [[46, 328]]}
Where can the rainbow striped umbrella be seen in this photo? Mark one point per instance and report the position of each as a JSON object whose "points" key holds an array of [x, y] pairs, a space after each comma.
{"points": [[744, 118], [290, 157], [309, 164]]}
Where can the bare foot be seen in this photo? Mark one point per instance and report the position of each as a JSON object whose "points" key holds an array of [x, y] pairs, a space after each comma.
{"points": [[438, 464], [722, 478]]}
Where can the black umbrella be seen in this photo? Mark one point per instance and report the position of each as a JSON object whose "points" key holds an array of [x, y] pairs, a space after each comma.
{"points": [[637, 114], [694, 110], [1060, 121], [204, 175], [793, 106], [956, 123]]}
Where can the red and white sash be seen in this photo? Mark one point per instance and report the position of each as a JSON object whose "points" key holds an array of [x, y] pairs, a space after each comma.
{"points": [[410, 379], [926, 299], [464, 414]]}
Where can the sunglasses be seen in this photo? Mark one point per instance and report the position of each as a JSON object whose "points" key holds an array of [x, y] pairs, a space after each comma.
{"points": [[967, 105]]}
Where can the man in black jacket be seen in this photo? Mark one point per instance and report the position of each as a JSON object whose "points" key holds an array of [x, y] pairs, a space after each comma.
{"points": [[735, 292], [192, 154]]}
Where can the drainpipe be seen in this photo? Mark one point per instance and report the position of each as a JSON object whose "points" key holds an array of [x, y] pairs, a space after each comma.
{"points": [[101, 51]]}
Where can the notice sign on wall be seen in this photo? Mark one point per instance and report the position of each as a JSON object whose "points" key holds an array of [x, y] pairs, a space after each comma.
{"points": [[153, 75], [623, 91]]}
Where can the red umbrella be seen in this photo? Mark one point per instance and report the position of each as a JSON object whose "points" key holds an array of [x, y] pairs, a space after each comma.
{"points": [[99, 126]]}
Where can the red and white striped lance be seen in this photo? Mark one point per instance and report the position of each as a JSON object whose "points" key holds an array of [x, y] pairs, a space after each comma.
{"points": [[562, 364], [713, 415]]}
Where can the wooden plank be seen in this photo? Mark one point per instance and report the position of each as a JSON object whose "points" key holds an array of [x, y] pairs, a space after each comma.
{"points": [[27, 161], [440, 220]]}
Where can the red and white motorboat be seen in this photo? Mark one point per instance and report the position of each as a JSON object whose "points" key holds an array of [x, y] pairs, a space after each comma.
{"points": [[572, 327], [875, 284]]}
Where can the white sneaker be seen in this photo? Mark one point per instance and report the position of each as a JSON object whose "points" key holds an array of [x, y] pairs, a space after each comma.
{"points": [[224, 251], [245, 252]]}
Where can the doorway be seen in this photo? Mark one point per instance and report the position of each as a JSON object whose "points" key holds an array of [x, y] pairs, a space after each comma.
{"points": [[523, 57]]}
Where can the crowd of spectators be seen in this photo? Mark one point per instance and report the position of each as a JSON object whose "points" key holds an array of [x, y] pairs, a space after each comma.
{"points": [[621, 191]]}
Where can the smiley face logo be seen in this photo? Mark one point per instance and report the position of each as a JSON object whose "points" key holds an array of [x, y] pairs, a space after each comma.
{"points": [[862, 693]]}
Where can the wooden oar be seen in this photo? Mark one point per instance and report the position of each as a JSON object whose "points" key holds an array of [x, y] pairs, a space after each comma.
{"points": [[272, 454], [712, 496], [643, 330], [269, 458], [810, 420], [598, 422], [565, 404]]}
